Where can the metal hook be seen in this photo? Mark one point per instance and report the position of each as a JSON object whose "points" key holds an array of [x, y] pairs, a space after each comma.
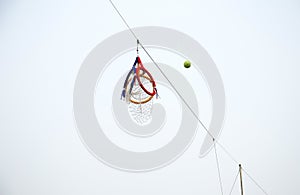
{"points": [[137, 46]]}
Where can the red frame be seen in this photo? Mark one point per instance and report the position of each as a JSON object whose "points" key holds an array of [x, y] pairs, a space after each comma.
{"points": [[141, 67]]}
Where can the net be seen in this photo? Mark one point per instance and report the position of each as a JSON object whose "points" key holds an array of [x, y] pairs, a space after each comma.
{"points": [[138, 90], [140, 103]]}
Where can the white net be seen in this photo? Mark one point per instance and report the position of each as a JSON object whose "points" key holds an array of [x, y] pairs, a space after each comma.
{"points": [[140, 103]]}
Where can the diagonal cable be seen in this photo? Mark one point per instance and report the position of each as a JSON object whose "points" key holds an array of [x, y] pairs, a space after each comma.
{"points": [[218, 166], [255, 182], [237, 175]]}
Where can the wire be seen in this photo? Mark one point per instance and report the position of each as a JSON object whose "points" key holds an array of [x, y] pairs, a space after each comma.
{"points": [[124, 20], [218, 166], [227, 152], [237, 175], [177, 92], [255, 182]]}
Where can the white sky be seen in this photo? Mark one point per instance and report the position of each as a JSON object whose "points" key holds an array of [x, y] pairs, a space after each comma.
{"points": [[255, 45]]}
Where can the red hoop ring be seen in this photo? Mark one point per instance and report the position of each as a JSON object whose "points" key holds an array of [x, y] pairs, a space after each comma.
{"points": [[140, 66]]}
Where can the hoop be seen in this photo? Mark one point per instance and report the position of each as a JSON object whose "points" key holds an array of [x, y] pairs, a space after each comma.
{"points": [[141, 67], [134, 75], [129, 91]]}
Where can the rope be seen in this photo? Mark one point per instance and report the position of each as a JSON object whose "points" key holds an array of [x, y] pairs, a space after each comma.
{"points": [[218, 166], [180, 96], [237, 175], [255, 182], [227, 152], [124, 20], [177, 92]]}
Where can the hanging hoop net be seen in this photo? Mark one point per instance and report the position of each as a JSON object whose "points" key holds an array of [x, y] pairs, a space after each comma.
{"points": [[138, 90]]}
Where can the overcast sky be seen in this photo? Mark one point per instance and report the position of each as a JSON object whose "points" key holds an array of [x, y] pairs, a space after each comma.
{"points": [[255, 45]]}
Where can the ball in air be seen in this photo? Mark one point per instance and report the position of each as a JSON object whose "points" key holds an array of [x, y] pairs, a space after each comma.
{"points": [[187, 64]]}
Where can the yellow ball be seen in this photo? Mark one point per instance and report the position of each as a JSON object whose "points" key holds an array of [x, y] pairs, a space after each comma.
{"points": [[187, 64]]}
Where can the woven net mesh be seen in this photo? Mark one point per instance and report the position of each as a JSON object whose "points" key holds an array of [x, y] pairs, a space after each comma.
{"points": [[140, 103]]}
